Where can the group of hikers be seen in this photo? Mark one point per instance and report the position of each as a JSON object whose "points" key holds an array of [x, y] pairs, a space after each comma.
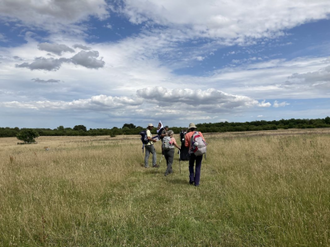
{"points": [[193, 146]]}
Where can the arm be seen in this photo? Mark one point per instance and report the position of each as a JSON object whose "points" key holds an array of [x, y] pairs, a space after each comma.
{"points": [[187, 139], [175, 144], [149, 136]]}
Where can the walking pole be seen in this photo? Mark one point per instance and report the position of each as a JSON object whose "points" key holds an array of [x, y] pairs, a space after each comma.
{"points": [[180, 161]]}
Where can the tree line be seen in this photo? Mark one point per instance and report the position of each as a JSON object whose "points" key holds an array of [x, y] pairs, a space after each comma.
{"points": [[131, 129]]}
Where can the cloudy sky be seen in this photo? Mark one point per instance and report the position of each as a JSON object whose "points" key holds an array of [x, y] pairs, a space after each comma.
{"points": [[104, 63]]}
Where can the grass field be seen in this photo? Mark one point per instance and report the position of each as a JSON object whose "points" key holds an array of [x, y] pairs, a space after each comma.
{"points": [[257, 189]]}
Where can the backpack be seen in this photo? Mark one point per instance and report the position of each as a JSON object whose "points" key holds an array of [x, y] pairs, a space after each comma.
{"points": [[197, 144], [167, 143], [144, 137]]}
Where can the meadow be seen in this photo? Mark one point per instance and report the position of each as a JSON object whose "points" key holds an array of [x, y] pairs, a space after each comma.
{"points": [[267, 188]]}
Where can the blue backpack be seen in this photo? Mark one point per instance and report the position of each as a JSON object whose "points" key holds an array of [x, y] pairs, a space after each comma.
{"points": [[144, 137]]}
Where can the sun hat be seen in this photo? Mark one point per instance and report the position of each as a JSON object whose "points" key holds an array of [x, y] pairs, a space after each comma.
{"points": [[192, 126], [150, 125]]}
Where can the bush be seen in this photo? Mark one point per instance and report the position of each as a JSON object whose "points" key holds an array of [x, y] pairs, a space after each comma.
{"points": [[27, 135]]}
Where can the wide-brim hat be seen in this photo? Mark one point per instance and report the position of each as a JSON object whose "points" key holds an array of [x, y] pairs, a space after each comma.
{"points": [[192, 126], [150, 125]]}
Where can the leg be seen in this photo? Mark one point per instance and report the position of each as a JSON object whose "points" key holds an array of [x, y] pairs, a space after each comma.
{"points": [[170, 160], [154, 155], [146, 156], [165, 152], [198, 169], [191, 168], [169, 155]]}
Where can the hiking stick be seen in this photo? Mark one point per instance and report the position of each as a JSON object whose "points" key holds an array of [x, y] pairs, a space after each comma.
{"points": [[180, 160]]}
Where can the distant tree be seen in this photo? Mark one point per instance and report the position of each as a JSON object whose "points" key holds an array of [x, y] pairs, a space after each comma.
{"points": [[60, 128], [327, 120], [80, 127], [129, 126], [27, 135]]}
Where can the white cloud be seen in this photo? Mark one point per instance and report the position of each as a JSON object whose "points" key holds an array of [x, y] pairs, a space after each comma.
{"points": [[229, 20], [108, 25], [210, 100], [148, 63], [160, 101], [282, 104], [95, 103], [3, 38]]}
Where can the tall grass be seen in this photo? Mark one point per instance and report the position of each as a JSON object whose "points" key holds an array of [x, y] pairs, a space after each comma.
{"points": [[94, 191]]}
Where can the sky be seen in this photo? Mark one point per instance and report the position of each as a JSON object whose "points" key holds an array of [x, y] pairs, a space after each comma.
{"points": [[102, 64]]}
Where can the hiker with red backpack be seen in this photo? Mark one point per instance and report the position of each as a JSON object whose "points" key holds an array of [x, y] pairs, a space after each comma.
{"points": [[196, 144]]}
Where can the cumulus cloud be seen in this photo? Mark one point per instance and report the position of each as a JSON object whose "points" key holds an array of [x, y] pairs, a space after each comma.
{"points": [[88, 59], [210, 100], [54, 48], [41, 63], [83, 58], [176, 103]]}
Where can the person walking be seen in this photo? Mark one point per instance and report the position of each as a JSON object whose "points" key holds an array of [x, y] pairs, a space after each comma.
{"points": [[169, 145], [194, 174], [163, 133], [150, 148]]}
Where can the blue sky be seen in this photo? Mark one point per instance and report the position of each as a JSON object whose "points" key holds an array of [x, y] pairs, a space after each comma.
{"points": [[105, 63]]}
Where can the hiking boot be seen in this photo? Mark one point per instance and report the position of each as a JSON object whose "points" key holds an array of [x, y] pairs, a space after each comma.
{"points": [[155, 166]]}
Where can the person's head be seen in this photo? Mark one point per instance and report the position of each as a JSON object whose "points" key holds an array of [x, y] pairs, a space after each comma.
{"points": [[192, 127], [170, 133], [166, 128], [150, 126]]}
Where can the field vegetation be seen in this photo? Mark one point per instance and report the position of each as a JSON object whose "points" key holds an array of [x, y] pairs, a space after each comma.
{"points": [[267, 188]]}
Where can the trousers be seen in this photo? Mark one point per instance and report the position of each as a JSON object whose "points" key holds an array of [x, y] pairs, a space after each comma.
{"points": [[195, 174], [150, 149], [169, 156]]}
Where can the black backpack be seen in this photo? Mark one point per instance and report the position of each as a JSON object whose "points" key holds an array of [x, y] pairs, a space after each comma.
{"points": [[144, 137]]}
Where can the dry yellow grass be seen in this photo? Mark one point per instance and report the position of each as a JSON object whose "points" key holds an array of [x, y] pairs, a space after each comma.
{"points": [[266, 188]]}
